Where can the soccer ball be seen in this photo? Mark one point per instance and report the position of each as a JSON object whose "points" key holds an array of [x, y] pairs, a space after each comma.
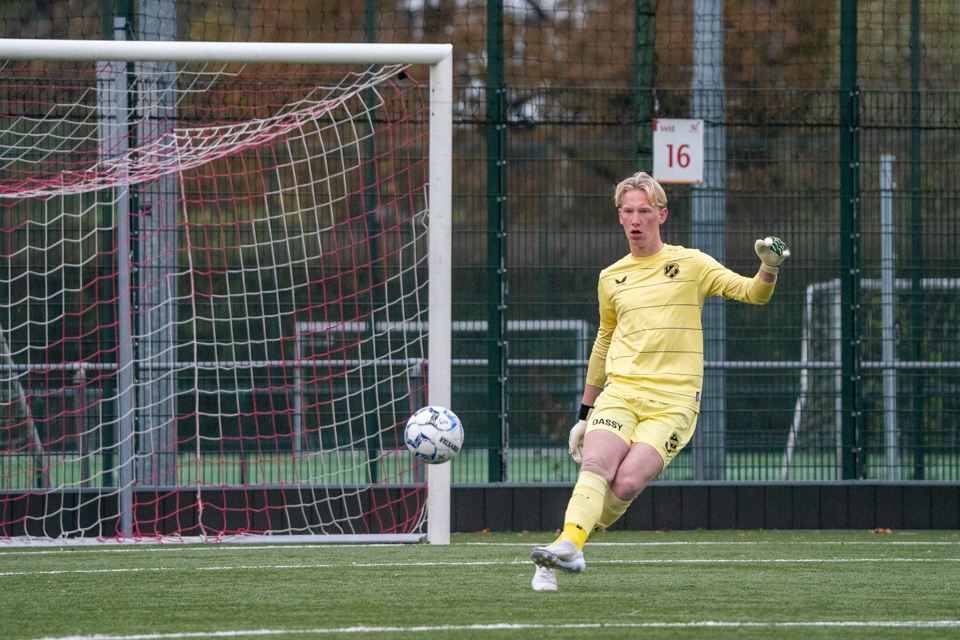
{"points": [[434, 435]]}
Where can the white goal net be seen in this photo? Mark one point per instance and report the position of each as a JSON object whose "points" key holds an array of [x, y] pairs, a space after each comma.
{"points": [[205, 253]]}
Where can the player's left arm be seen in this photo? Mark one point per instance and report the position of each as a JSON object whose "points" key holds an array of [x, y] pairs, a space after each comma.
{"points": [[717, 280], [772, 252]]}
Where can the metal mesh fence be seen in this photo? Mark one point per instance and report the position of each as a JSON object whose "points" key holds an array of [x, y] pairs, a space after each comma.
{"points": [[790, 45], [855, 358]]}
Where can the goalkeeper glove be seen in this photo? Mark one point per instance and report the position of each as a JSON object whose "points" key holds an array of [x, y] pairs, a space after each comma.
{"points": [[772, 252], [576, 434]]}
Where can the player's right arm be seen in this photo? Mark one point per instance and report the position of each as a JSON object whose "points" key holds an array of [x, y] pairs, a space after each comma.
{"points": [[597, 369], [590, 395], [596, 372]]}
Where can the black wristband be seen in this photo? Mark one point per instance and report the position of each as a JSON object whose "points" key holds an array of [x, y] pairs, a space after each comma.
{"points": [[584, 410]]}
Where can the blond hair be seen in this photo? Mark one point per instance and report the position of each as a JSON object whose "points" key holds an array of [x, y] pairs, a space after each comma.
{"points": [[643, 181]]}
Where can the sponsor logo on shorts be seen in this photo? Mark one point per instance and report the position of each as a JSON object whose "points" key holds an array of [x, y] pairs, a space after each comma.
{"points": [[672, 444], [671, 270], [607, 422]]}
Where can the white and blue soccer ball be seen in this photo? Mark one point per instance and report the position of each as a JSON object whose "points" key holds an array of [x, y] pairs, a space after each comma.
{"points": [[434, 434]]}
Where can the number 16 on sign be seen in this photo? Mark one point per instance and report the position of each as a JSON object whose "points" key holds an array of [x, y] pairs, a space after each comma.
{"points": [[678, 150]]}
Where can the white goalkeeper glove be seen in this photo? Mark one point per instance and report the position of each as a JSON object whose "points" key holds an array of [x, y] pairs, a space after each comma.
{"points": [[578, 432], [772, 252]]}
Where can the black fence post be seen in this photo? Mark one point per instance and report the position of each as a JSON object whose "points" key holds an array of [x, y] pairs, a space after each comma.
{"points": [[645, 39], [496, 140], [372, 214], [849, 242], [915, 337]]}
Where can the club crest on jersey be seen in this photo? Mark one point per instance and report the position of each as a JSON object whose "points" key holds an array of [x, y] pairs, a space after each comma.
{"points": [[671, 270], [672, 443]]}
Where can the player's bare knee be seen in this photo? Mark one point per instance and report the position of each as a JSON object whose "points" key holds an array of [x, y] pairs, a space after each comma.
{"points": [[626, 488], [629, 483]]}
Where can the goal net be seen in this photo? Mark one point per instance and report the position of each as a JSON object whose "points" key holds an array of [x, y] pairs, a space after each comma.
{"points": [[216, 288]]}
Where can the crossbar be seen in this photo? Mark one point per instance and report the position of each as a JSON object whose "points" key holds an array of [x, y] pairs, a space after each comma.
{"points": [[170, 51]]}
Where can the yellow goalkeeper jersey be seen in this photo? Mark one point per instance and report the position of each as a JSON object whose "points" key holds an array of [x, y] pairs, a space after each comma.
{"points": [[650, 341]]}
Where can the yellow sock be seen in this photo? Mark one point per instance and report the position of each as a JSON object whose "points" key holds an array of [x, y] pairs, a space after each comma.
{"points": [[573, 532], [613, 508], [585, 507]]}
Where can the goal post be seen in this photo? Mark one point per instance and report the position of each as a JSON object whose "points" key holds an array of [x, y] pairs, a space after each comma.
{"points": [[201, 246], [441, 316]]}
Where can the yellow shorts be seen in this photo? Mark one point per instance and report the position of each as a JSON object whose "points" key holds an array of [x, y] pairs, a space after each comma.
{"points": [[666, 428]]}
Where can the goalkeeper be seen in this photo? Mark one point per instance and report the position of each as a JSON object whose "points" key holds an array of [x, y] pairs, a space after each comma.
{"points": [[645, 377]]}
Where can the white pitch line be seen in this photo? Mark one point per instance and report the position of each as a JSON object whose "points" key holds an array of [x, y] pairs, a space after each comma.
{"points": [[208, 547], [361, 565], [718, 544], [224, 547], [60, 571], [899, 624]]}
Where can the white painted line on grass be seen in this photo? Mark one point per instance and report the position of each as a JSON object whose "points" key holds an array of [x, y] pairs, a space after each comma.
{"points": [[206, 547], [224, 547], [900, 624], [717, 544], [660, 561], [53, 573], [361, 565]]}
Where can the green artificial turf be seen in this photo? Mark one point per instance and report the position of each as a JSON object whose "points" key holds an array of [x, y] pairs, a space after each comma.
{"points": [[760, 582]]}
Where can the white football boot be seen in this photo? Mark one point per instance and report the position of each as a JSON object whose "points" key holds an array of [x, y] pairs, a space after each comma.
{"points": [[562, 554], [544, 579]]}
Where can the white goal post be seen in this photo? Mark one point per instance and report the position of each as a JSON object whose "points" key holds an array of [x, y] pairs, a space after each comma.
{"points": [[81, 424]]}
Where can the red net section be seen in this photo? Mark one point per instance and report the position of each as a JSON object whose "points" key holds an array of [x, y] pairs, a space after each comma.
{"points": [[213, 290]]}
